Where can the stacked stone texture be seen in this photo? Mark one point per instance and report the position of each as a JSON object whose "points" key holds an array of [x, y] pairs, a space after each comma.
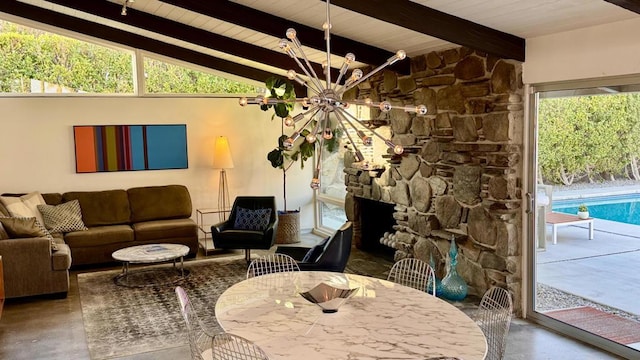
{"points": [[460, 176]]}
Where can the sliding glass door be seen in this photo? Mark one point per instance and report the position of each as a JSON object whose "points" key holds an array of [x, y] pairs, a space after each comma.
{"points": [[584, 214]]}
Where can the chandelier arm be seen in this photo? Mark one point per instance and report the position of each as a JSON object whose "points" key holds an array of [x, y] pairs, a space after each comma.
{"points": [[327, 37], [340, 116], [313, 78], [302, 82], [398, 56], [315, 108], [319, 159], [363, 125]]}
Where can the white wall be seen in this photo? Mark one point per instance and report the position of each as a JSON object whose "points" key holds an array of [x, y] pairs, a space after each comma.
{"points": [[37, 147], [594, 52]]}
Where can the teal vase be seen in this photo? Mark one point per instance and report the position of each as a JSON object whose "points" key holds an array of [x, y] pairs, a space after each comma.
{"points": [[453, 285]]}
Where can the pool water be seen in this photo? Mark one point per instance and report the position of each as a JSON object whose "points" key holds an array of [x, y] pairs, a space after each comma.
{"points": [[620, 208]]}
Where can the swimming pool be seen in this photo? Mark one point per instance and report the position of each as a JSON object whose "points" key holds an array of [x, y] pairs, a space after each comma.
{"points": [[620, 208]]}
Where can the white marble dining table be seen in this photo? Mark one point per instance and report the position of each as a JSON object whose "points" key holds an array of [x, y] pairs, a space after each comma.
{"points": [[382, 320]]}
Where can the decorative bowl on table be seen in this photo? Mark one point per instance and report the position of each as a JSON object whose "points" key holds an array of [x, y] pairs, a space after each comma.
{"points": [[327, 297]]}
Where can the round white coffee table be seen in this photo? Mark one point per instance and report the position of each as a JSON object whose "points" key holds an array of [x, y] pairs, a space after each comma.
{"points": [[148, 254]]}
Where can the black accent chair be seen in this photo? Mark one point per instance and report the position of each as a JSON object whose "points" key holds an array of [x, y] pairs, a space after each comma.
{"points": [[332, 256], [226, 236]]}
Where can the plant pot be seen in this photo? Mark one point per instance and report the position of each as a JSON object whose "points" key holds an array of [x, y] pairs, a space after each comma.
{"points": [[583, 214], [288, 231]]}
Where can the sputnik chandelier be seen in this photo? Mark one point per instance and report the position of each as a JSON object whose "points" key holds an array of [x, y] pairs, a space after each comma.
{"points": [[327, 100]]}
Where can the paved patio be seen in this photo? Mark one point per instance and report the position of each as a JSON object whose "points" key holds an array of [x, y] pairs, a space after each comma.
{"points": [[605, 270]]}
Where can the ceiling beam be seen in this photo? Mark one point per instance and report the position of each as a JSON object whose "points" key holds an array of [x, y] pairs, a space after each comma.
{"points": [[187, 33], [425, 20], [118, 36], [276, 26], [631, 5]]}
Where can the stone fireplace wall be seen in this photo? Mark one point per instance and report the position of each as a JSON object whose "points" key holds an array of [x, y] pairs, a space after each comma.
{"points": [[460, 175]]}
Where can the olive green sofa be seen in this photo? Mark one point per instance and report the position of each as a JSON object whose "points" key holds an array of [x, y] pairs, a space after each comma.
{"points": [[115, 219]]}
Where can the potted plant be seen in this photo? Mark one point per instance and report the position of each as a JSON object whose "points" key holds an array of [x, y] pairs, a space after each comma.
{"points": [[583, 211], [283, 158]]}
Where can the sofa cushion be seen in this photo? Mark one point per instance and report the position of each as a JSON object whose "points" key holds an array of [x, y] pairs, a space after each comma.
{"points": [[65, 217], [52, 198], [159, 202], [165, 229], [110, 207], [247, 219], [99, 236]]}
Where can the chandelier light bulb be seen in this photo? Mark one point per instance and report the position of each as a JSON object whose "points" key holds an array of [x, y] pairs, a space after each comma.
{"points": [[311, 138], [291, 33], [305, 102], [315, 183], [291, 74], [421, 110], [349, 58], [243, 101], [327, 134], [401, 54], [398, 149], [385, 106], [326, 26], [356, 74], [288, 121], [368, 101], [288, 143], [366, 140]]}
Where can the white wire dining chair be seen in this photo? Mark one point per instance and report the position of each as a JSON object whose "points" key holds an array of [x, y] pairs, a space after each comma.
{"points": [[228, 346], [494, 318], [414, 273], [199, 337], [272, 263]]}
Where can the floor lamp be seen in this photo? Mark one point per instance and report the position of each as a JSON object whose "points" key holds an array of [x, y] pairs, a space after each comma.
{"points": [[222, 160]]}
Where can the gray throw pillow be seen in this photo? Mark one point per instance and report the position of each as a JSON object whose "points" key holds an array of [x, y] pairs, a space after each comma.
{"points": [[247, 219]]}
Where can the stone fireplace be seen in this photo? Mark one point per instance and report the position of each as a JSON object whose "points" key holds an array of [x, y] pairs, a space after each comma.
{"points": [[460, 175]]}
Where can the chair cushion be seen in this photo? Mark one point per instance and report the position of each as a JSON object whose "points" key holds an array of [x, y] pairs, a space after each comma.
{"points": [[247, 219], [241, 239], [99, 236], [313, 253]]}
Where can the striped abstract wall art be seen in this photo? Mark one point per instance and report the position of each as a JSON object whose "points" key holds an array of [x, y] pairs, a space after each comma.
{"points": [[130, 147]]}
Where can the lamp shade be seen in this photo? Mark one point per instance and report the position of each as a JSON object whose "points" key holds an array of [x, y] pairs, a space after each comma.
{"points": [[221, 154]]}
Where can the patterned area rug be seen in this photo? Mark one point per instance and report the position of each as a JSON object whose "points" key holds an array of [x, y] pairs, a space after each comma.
{"points": [[121, 321], [609, 326]]}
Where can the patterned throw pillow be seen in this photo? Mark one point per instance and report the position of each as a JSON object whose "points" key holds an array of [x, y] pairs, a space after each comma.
{"points": [[252, 219], [26, 227], [63, 218]]}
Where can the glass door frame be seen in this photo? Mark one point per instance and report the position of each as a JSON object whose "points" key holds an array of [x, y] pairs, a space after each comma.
{"points": [[530, 175]]}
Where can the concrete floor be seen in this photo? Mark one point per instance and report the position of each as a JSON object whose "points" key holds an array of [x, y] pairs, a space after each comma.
{"points": [[44, 328]]}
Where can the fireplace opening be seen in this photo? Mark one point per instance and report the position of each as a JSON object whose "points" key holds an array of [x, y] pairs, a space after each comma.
{"points": [[376, 218]]}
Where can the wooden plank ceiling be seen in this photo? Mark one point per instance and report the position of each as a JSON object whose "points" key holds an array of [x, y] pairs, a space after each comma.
{"points": [[240, 37]]}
